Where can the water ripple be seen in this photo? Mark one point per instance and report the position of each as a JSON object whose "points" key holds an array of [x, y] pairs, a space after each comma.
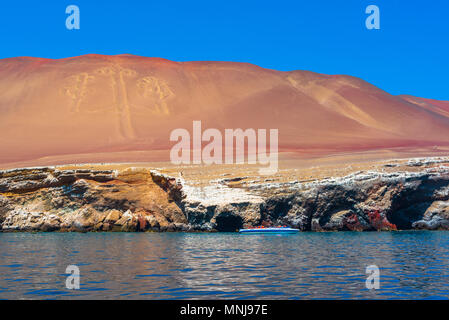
{"points": [[413, 265]]}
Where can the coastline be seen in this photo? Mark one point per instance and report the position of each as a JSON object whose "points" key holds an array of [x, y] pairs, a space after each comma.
{"points": [[407, 194]]}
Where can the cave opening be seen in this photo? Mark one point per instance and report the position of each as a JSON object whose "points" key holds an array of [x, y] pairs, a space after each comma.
{"points": [[228, 223]]}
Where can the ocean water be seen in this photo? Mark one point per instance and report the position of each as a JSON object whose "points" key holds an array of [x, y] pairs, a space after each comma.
{"points": [[413, 265]]}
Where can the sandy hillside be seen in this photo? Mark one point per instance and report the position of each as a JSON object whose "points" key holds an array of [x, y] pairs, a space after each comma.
{"points": [[122, 109]]}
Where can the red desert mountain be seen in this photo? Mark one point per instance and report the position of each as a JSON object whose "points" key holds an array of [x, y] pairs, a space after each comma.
{"points": [[107, 104]]}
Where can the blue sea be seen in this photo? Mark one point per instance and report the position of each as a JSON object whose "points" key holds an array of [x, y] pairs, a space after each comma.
{"points": [[412, 265]]}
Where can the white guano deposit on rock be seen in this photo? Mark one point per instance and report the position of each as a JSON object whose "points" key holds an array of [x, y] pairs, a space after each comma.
{"points": [[217, 193]]}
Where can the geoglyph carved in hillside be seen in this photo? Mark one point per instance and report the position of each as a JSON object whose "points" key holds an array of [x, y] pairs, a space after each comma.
{"points": [[157, 89], [76, 89]]}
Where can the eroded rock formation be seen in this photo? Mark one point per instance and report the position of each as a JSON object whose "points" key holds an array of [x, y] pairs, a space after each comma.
{"points": [[48, 199], [140, 199]]}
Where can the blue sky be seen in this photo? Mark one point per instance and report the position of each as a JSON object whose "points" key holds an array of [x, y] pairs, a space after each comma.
{"points": [[408, 55]]}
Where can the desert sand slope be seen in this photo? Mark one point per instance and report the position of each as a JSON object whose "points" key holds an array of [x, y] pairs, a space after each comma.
{"points": [[109, 104]]}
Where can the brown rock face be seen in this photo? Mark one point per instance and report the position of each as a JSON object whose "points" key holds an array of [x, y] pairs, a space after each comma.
{"points": [[106, 108], [78, 200], [113, 216], [131, 200]]}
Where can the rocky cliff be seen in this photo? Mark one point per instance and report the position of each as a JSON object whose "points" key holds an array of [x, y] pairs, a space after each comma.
{"points": [[415, 196], [48, 199]]}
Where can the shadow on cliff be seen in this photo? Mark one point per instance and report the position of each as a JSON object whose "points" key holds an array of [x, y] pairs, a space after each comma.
{"points": [[411, 204]]}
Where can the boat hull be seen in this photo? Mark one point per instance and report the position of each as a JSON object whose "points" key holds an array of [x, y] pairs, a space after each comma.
{"points": [[269, 231]]}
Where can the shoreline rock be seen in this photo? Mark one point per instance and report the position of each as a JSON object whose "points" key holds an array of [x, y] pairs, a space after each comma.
{"points": [[143, 200]]}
